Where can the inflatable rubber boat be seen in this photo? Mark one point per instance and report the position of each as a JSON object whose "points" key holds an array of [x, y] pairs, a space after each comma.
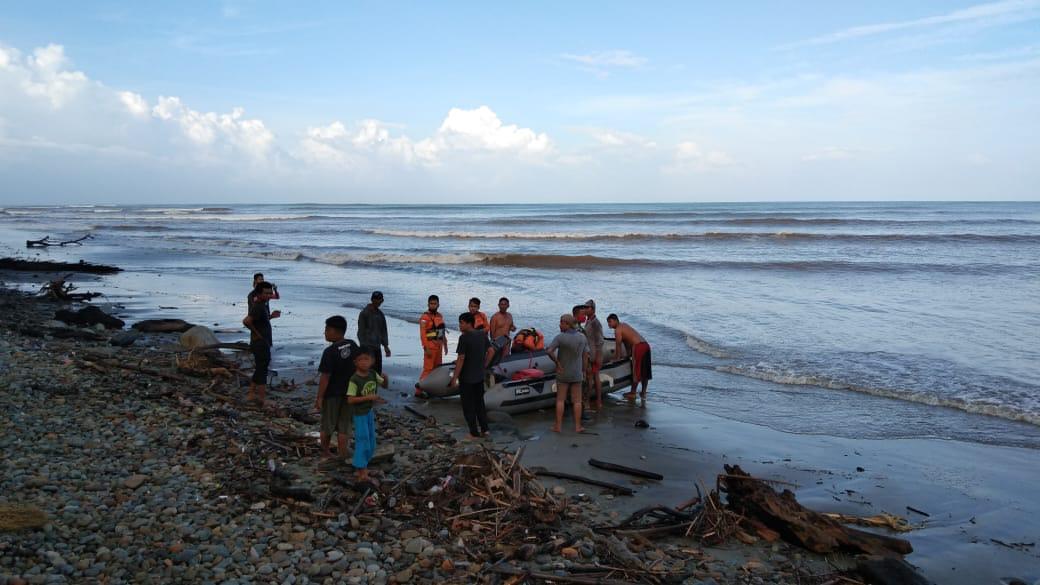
{"points": [[503, 368], [516, 396]]}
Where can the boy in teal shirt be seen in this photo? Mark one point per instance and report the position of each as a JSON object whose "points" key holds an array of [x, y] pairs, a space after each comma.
{"points": [[363, 394]]}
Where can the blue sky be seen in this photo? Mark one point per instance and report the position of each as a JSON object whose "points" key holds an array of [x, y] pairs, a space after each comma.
{"points": [[249, 101]]}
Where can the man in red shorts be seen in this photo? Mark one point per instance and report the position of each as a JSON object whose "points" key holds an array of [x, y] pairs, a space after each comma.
{"points": [[638, 349]]}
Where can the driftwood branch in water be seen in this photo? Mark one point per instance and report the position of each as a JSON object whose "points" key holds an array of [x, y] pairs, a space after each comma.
{"points": [[781, 512], [46, 241], [61, 290]]}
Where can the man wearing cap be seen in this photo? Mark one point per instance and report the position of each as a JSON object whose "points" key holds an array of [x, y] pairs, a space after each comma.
{"points": [[594, 335], [371, 324]]}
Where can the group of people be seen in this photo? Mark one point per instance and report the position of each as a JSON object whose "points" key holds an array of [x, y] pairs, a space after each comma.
{"points": [[351, 373]]}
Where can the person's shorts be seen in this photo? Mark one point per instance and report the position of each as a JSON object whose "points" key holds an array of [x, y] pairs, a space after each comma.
{"points": [[641, 363], [336, 416], [262, 359]]}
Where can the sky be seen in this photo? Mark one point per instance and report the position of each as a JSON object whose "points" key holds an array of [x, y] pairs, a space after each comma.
{"points": [[447, 102]]}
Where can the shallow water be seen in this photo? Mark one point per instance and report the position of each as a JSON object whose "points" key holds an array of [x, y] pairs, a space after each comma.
{"points": [[864, 320]]}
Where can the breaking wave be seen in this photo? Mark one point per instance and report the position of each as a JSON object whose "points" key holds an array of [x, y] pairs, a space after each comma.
{"points": [[782, 376], [720, 236]]}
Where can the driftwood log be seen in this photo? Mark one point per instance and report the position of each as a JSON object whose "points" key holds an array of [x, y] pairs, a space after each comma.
{"points": [[618, 489], [89, 316], [627, 470], [46, 241], [61, 290], [781, 512], [47, 266]]}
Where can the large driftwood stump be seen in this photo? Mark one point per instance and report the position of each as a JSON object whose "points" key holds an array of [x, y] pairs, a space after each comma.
{"points": [[755, 499]]}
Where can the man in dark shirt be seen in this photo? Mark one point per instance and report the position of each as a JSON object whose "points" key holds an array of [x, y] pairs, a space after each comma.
{"points": [[257, 279], [371, 329], [336, 368], [260, 340], [475, 353]]}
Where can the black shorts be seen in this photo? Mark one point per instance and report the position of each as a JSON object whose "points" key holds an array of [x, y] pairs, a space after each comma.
{"points": [[262, 358]]}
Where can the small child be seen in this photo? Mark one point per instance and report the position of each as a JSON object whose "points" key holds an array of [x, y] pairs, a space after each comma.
{"points": [[336, 368], [362, 394]]}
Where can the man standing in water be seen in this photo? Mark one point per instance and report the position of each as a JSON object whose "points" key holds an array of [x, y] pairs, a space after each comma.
{"points": [[431, 335], [371, 325], [502, 323], [594, 335], [260, 339], [570, 352], [637, 349]]}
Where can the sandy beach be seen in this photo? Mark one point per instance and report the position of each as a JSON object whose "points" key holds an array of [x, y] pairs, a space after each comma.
{"points": [[980, 523]]}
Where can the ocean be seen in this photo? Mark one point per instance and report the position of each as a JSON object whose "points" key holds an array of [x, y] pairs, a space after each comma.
{"points": [[864, 320]]}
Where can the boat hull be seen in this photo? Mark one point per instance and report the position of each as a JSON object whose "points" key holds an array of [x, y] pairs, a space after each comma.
{"points": [[436, 383], [520, 396]]}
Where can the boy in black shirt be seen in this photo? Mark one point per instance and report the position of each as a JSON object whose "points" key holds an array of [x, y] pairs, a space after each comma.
{"points": [[260, 339], [475, 353], [336, 368]]}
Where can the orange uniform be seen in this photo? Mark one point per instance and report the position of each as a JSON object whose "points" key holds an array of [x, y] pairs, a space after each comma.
{"points": [[431, 333], [480, 321]]}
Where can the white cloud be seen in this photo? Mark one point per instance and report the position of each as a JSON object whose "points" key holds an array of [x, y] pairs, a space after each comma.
{"points": [[43, 74], [481, 129], [134, 103], [984, 14], [207, 128], [476, 131], [690, 157], [616, 138], [600, 63]]}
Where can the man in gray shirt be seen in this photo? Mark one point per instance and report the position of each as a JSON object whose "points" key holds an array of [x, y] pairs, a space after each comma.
{"points": [[570, 351], [594, 335], [371, 330]]}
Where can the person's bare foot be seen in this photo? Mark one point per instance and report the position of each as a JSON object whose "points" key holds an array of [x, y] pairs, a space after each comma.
{"points": [[485, 435], [629, 396], [471, 438], [556, 429], [579, 430]]}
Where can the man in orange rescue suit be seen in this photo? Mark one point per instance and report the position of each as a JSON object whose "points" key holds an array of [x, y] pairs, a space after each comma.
{"points": [[431, 334]]}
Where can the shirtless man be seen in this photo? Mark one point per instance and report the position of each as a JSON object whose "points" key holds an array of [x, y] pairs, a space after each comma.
{"points": [[637, 349], [502, 322]]}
